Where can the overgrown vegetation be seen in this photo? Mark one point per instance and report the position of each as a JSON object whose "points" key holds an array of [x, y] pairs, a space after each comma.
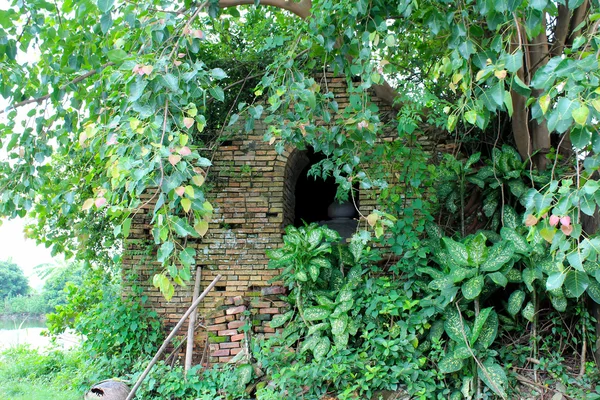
{"points": [[482, 270]]}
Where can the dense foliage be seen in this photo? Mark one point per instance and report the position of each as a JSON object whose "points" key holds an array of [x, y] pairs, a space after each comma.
{"points": [[13, 281], [487, 244]]}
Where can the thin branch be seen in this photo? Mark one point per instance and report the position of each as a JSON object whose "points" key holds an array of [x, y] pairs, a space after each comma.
{"points": [[75, 81]]}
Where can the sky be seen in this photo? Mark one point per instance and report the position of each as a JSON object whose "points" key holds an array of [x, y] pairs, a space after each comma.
{"points": [[23, 252]]}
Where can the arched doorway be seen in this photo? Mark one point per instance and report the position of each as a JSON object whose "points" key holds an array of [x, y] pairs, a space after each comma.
{"points": [[309, 199]]}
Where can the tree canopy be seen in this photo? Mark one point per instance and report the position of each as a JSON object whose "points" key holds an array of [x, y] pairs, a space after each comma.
{"points": [[125, 96], [13, 281]]}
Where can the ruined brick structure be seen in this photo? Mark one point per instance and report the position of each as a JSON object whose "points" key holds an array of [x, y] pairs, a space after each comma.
{"points": [[254, 199]]}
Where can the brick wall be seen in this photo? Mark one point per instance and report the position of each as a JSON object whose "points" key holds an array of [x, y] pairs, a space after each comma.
{"points": [[254, 200]]}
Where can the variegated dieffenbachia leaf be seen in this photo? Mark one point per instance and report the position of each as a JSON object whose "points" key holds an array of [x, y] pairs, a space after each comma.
{"points": [[498, 256], [559, 302], [480, 321], [461, 352], [341, 340], [488, 331], [450, 364], [321, 348], [309, 343], [472, 288], [316, 313], [338, 325], [318, 328], [457, 251], [515, 301], [510, 218], [455, 327], [519, 243], [529, 311], [477, 250], [494, 377], [280, 319], [593, 290]]}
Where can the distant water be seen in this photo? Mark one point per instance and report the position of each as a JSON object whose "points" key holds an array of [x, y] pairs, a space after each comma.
{"points": [[15, 332]]}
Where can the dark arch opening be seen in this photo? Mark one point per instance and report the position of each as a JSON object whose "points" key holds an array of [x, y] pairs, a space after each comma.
{"points": [[313, 194]]}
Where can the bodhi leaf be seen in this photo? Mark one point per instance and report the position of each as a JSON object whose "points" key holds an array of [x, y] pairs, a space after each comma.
{"points": [[576, 282]]}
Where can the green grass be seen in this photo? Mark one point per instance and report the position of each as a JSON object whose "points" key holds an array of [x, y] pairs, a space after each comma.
{"points": [[26, 373], [36, 391]]}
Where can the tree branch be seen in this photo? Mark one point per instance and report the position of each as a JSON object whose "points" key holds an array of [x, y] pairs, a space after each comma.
{"points": [[301, 8], [39, 100], [562, 31]]}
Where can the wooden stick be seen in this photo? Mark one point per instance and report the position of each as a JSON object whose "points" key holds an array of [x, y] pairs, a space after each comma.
{"points": [[170, 337], [189, 350]]}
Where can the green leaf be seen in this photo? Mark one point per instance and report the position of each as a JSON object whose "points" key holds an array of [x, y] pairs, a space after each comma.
{"points": [[316, 313], [450, 364], [511, 218], [494, 377], [171, 82], [498, 278], [217, 93], [458, 251], [165, 251], [280, 319], [500, 254], [105, 5], [471, 117], [244, 374], [480, 320], [188, 256], [310, 343], [580, 137], [472, 288], [218, 73], [126, 227], [515, 302], [576, 282], [313, 271], [575, 260], [555, 280], [117, 56], [580, 115]]}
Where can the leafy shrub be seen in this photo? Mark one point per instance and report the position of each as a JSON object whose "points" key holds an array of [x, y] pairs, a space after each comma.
{"points": [[32, 304]]}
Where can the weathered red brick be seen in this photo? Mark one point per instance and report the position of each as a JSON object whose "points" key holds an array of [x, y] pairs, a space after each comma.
{"points": [[235, 310]]}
